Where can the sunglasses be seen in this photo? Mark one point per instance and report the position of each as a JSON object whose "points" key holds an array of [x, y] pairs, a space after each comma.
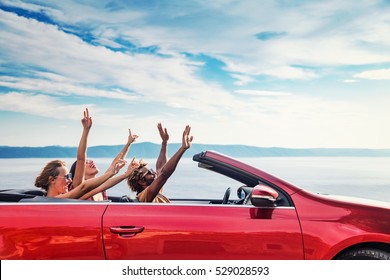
{"points": [[150, 171], [67, 176]]}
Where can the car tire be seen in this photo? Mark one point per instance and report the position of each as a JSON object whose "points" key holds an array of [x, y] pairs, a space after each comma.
{"points": [[364, 254]]}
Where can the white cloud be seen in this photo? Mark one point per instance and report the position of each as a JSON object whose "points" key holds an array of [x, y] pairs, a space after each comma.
{"points": [[24, 5], [381, 74], [146, 75], [334, 38], [317, 36], [61, 86], [261, 92], [291, 73], [51, 107], [328, 34], [242, 79], [39, 105]]}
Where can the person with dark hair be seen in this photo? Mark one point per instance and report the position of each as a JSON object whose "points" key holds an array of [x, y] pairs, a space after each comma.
{"points": [[79, 164], [83, 169], [149, 184]]}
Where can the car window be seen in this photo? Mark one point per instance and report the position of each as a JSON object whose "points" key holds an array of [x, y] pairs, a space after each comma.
{"points": [[199, 183]]}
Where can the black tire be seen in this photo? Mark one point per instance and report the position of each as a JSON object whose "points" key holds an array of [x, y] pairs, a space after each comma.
{"points": [[364, 254]]}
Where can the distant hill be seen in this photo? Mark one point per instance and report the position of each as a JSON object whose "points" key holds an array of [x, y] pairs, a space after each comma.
{"points": [[151, 150]]}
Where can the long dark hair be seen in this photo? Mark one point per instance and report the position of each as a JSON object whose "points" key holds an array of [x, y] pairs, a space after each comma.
{"points": [[73, 169]]}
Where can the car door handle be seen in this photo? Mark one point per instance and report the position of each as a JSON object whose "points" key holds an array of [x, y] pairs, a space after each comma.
{"points": [[126, 231]]}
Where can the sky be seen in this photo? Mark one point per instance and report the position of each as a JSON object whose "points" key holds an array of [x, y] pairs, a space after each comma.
{"points": [[284, 73]]}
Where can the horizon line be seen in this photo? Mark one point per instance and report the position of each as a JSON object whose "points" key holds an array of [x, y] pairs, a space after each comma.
{"points": [[205, 144]]}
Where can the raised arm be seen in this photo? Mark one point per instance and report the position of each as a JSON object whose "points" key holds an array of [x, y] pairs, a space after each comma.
{"points": [[78, 177], [163, 156], [130, 139], [170, 166], [114, 180], [90, 184]]}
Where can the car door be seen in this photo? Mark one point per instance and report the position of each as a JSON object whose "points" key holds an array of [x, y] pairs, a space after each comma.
{"points": [[51, 231], [174, 231]]}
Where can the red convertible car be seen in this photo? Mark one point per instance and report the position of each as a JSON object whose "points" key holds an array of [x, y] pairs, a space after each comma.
{"points": [[270, 219]]}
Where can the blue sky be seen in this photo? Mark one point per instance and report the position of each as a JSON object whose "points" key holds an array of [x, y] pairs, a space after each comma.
{"points": [[297, 74]]}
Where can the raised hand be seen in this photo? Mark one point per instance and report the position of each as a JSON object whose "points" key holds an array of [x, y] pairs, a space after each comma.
{"points": [[87, 120], [163, 133], [187, 139], [134, 164], [132, 137], [116, 164]]}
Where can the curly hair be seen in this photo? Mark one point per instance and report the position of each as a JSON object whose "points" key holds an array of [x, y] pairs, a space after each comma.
{"points": [[137, 175], [49, 172]]}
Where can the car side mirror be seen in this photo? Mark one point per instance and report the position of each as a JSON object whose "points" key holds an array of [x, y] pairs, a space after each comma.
{"points": [[244, 191], [263, 196]]}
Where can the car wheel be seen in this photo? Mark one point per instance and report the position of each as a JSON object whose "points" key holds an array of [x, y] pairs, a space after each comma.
{"points": [[364, 254]]}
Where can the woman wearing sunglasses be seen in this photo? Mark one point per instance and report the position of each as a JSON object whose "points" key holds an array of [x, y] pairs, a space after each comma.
{"points": [[55, 179], [149, 184]]}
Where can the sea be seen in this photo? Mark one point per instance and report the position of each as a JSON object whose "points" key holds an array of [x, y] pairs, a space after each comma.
{"points": [[363, 177]]}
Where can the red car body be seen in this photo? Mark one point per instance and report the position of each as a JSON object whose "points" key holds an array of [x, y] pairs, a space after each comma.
{"points": [[273, 220]]}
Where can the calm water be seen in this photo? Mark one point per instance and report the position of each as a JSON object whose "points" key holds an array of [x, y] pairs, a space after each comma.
{"points": [[367, 177]]}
